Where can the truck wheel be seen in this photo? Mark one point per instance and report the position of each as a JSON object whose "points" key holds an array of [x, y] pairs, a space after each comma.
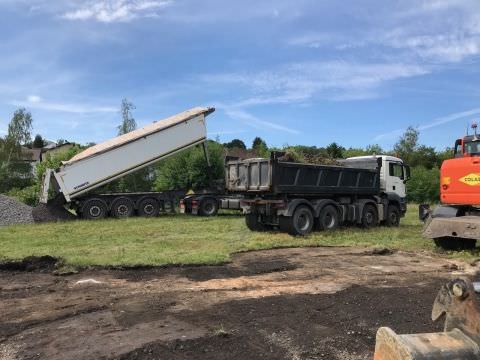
{"points": [[208, 207], [328, 218], [301, 223], [393, 216], [94, 209], [369, 216], [254, 224], [122, 208], [452, 243], [148, 208]]}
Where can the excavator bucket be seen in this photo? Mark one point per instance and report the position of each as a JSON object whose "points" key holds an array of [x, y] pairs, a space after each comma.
{"points": [[448, 346], [458, 304]]}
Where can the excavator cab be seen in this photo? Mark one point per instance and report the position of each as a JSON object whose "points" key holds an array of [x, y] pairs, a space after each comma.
{"points": [[468, 146]]}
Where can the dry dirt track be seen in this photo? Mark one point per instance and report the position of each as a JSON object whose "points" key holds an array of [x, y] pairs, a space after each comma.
{"points": [[309, 303]]}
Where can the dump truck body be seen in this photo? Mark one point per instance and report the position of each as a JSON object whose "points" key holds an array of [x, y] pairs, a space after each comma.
{"points": [[272, 177], [297, 197], [115, 158]]}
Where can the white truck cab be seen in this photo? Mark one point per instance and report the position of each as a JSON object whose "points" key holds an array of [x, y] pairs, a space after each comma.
{"points": [[394, 175]]}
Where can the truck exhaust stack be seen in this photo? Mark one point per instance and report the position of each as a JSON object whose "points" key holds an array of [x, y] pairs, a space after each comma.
{"points": [[458, 304]]}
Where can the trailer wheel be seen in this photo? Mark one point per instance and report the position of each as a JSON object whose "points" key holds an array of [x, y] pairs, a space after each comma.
{"points": [[393, 216], [253, 223], [148, 208], [301, 223], [208, 207], [328, 218], [122, 207], [369, 216], [452, 243], [94, 209]]}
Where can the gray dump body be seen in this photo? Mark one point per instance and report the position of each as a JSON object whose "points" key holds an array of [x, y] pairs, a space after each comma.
{"points": [[270, 176]]}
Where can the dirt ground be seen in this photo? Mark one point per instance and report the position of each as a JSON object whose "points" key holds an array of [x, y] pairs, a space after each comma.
{"points": [[308, 303]]}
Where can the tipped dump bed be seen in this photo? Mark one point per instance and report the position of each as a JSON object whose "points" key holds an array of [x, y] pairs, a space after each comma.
{"points": [[112, 159], [139, 133]]}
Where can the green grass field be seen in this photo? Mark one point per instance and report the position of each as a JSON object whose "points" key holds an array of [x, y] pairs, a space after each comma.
{"points": [[179, 239]]}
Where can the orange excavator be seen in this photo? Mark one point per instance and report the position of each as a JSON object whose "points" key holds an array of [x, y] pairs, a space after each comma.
{"points": [[455, 224]]}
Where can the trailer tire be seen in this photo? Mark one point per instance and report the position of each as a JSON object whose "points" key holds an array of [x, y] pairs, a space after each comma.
{"points": [[300, 223], [253, 223], [452, 243], [122, 208], [369, 216], [208, 207], [393, 216], [94, 209], [148, 207], [329, 218]]}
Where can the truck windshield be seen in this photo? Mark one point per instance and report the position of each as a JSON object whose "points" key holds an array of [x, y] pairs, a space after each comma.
{"points": [[472, 147]]}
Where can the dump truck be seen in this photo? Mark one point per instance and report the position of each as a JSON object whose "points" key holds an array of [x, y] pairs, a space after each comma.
{"points": [[455, 224], [297, 197], [74, 181]]}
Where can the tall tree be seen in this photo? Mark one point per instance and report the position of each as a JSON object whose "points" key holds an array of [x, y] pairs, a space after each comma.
{"points": [[128, 122], [407, 144], [19, 133], [260, 146], [38, 142], [235, 143]]}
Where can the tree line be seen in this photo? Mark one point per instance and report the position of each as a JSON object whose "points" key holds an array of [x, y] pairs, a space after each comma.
{"points": [[188, 170]]}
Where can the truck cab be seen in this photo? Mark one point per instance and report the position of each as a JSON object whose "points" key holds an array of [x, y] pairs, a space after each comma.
{"points": [[394, 174]]}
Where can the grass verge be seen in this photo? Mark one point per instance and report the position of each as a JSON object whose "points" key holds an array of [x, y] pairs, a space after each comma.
{"points": [[179, 239]]}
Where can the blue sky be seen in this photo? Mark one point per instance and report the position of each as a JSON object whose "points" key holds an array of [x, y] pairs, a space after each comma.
{"points": [[293, 72]]}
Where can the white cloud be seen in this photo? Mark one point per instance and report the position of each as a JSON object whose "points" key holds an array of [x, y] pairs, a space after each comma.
{"points": [[108, 11], [36, 102], [34, 99], [301, 82], [434, 123], [257, 123]]}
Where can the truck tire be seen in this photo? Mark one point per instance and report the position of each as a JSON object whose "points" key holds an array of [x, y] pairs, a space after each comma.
{"points": [[329, 218], [452, 243], [301, 223], [208, 207], [94, 209], [253, 223], [122, 208], [393, 216], [148, 207], [369, 216]]}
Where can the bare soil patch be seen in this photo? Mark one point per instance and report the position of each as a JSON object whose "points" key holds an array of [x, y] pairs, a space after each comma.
{"points": [[308, 303]]}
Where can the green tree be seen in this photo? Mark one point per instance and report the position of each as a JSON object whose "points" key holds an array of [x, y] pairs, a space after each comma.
{"points": [[260, 146], [235, 143], [128, 122], [13, 171], [374, 149], [335, 151], [38, 142], [188, 169], [424, 185], [407, 145], [19, 133]]}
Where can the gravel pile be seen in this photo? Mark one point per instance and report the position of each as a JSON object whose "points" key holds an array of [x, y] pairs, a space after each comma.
{"points": [[13, 212]]}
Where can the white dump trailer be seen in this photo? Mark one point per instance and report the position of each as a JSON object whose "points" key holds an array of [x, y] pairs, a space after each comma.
{"points": [[115, 158]]}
